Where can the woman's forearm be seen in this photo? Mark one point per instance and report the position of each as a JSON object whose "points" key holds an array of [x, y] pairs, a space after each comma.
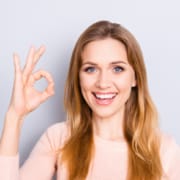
{"points": [[9, 142]]}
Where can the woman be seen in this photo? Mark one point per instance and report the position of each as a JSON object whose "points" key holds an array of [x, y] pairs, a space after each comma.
{"points": [[111, 131]]}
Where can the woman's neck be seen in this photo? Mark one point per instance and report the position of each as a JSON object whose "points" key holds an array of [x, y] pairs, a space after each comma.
{"points": [[110, 128]]}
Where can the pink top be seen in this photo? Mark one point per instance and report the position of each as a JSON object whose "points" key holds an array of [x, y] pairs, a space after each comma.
{"points": [[110, 162]]}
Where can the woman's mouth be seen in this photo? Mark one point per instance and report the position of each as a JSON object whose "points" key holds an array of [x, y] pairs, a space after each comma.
{"points": [[104, 98]]}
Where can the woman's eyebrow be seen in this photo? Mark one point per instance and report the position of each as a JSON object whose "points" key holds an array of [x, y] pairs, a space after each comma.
{"points": [[89, 62], [118, 62]]}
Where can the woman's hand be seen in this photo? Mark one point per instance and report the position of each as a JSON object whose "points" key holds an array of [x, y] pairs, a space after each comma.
{"points": [[25, 98]]}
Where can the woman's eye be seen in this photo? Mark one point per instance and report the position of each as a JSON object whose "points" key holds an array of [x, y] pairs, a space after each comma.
{"points": [[118, 69], [90, 69]]}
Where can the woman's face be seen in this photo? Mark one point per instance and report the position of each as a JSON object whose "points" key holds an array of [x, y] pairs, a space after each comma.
{"points": [[106, 77]]}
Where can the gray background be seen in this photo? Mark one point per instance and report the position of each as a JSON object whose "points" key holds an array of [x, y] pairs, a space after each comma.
{"points": [[58, 24]]}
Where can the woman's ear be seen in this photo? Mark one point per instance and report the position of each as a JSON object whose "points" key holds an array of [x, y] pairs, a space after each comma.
{"points": [[133, 85], [134, 82]]}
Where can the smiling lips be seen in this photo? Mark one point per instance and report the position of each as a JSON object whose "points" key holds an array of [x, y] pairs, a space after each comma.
{"points": [[104, 98]]}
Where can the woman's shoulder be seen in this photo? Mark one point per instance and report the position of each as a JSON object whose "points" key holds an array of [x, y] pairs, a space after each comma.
{"points": [[57, 127], [168, 145], [168, 141], [54, 137], [57, 132], [170, 154]]}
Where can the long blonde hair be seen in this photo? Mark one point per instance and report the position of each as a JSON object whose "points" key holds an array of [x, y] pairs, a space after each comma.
{"points": [[140, 123]]}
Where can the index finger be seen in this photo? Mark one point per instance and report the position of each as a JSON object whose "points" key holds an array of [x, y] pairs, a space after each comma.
{"points": [[29, 63]]}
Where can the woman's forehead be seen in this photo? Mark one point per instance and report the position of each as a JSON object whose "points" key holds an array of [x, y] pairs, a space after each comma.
{"points": [[107, 50]]}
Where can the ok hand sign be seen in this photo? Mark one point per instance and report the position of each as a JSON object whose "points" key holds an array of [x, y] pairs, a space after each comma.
{"points": [[25, 98]]}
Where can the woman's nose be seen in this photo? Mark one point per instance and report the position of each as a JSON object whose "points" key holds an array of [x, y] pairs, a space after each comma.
{"points": [[103, 80]]}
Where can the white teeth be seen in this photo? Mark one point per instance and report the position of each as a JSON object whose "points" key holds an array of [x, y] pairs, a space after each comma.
{"points": [[105, 96]]}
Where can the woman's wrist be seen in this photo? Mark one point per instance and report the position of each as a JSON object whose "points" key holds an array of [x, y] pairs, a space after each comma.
{"points": [[12, 118]]}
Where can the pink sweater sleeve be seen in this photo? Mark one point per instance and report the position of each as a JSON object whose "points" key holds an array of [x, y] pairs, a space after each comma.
{"points": [[41, 163]]}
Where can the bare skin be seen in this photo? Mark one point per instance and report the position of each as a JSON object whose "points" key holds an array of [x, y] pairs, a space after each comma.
{"points": [[25, 98]]}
